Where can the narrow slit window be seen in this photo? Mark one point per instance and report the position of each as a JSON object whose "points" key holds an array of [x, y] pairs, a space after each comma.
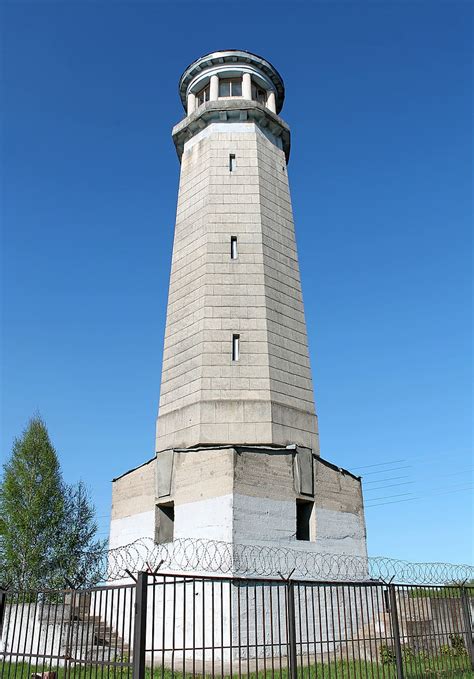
{"points": [[304, 512], [233, 247], [235, 347], [232, 163]]}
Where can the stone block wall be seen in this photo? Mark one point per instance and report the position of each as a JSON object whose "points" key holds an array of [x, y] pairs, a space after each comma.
{"points": [[266, 397]]}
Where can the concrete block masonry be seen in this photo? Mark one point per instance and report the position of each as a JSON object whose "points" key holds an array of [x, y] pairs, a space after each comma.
{"points": [[243, 495], [205, 284]]}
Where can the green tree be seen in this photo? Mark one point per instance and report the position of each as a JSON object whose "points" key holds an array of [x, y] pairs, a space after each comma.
{"points": [[82, 555], [31, 509], [47, 528]]}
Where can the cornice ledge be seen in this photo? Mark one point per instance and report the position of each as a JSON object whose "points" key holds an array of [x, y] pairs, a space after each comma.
{"points": [[239, 110]]}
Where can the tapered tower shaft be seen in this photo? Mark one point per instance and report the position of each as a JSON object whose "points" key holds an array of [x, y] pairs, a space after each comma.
{"points": [[235, 364]]}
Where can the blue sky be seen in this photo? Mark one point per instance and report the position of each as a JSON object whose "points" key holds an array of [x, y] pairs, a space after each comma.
{"points": [[378, 96]]}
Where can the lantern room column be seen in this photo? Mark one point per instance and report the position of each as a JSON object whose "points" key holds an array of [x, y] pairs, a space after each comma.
{"points": [[271, 103], [191, 103], [246, 86], [214, 88]]}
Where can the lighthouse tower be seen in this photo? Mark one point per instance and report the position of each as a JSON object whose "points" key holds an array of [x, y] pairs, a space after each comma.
{"points": [[237, 450]]}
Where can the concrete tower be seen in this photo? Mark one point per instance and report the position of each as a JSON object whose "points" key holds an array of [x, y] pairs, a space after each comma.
{"points": [[234, 276], [237, 437]]}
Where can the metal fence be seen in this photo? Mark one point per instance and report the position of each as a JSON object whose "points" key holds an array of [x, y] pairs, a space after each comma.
{"points": [[166, 625], [73, 633]]}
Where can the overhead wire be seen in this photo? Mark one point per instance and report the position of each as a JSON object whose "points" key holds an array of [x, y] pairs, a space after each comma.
{"points": [[391, 485], [395, 469], [378, 464], [421, 497], [392, 478]]}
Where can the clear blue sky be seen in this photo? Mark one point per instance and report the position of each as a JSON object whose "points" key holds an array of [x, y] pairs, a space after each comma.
{"points": [[378, 96]]}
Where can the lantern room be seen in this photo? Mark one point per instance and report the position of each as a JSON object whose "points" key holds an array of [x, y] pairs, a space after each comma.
{"points": [[231, 74]]}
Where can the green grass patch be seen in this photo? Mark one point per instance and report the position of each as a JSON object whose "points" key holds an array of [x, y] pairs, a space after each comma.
{"points": [[416, 668]]}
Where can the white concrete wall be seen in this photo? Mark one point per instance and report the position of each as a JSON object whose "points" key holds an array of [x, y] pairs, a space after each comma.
{"points": [[211, 518], [261, 520], [273, 522], [45, 633], [127, 529], [339, 532], [27, 629]]}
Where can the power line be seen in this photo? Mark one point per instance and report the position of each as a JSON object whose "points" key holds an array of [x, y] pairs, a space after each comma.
{"points": [[404, 483], [416, 458], [379, 464], [421, 497], [442, 489], [391, 478], [396, 478], [383, 471], [460, 471], [386, 497], [391, 485]]}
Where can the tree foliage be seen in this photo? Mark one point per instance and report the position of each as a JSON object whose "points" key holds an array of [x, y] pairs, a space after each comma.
{"points": [[47, 528], [81, 552]]}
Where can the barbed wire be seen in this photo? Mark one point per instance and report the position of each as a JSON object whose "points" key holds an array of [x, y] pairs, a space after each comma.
{"points": [[194, 555]]}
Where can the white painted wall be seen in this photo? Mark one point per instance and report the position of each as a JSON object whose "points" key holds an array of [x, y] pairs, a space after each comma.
{"points": [[28, 629], [258, 519], [268, 521], [210, 519], [340, 533], [130, 528]]}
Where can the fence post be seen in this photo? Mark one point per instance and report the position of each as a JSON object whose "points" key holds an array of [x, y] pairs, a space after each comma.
{"points": [[396, 630], [3, 605], [69, 619], [139, 636], [467, 623], [290, 598]]}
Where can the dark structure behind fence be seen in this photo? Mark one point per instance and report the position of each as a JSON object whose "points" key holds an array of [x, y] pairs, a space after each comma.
{"points": [[230, 626]]}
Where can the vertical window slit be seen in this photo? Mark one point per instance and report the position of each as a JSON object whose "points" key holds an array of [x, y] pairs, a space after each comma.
{"points": [[233, 247], [235, 347], [232, 164]]}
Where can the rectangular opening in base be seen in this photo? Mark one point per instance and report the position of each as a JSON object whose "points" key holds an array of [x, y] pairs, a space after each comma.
{"points": [[304, 512], [164, 522]]}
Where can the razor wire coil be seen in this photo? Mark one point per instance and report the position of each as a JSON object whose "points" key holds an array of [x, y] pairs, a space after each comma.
{"points": [[200, 556]]}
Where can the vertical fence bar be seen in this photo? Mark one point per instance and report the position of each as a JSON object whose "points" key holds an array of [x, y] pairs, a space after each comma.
{"points": [[139, 636], [395, 630], [3, 606], [467, 623], [290, 603]]}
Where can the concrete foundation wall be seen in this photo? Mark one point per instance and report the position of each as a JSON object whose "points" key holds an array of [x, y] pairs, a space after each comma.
{"points": [[243, 496], [133, 506], [26, 631]]}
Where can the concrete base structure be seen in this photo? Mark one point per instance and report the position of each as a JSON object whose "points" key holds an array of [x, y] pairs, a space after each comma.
{"points": [[242, 495]]}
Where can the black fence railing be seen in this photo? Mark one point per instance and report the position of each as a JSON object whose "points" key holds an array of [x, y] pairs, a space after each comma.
{"points": [[182, 625], [71, 633]]}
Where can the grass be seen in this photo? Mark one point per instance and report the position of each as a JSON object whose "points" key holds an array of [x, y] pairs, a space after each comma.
{"points": [[414, 669]]}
